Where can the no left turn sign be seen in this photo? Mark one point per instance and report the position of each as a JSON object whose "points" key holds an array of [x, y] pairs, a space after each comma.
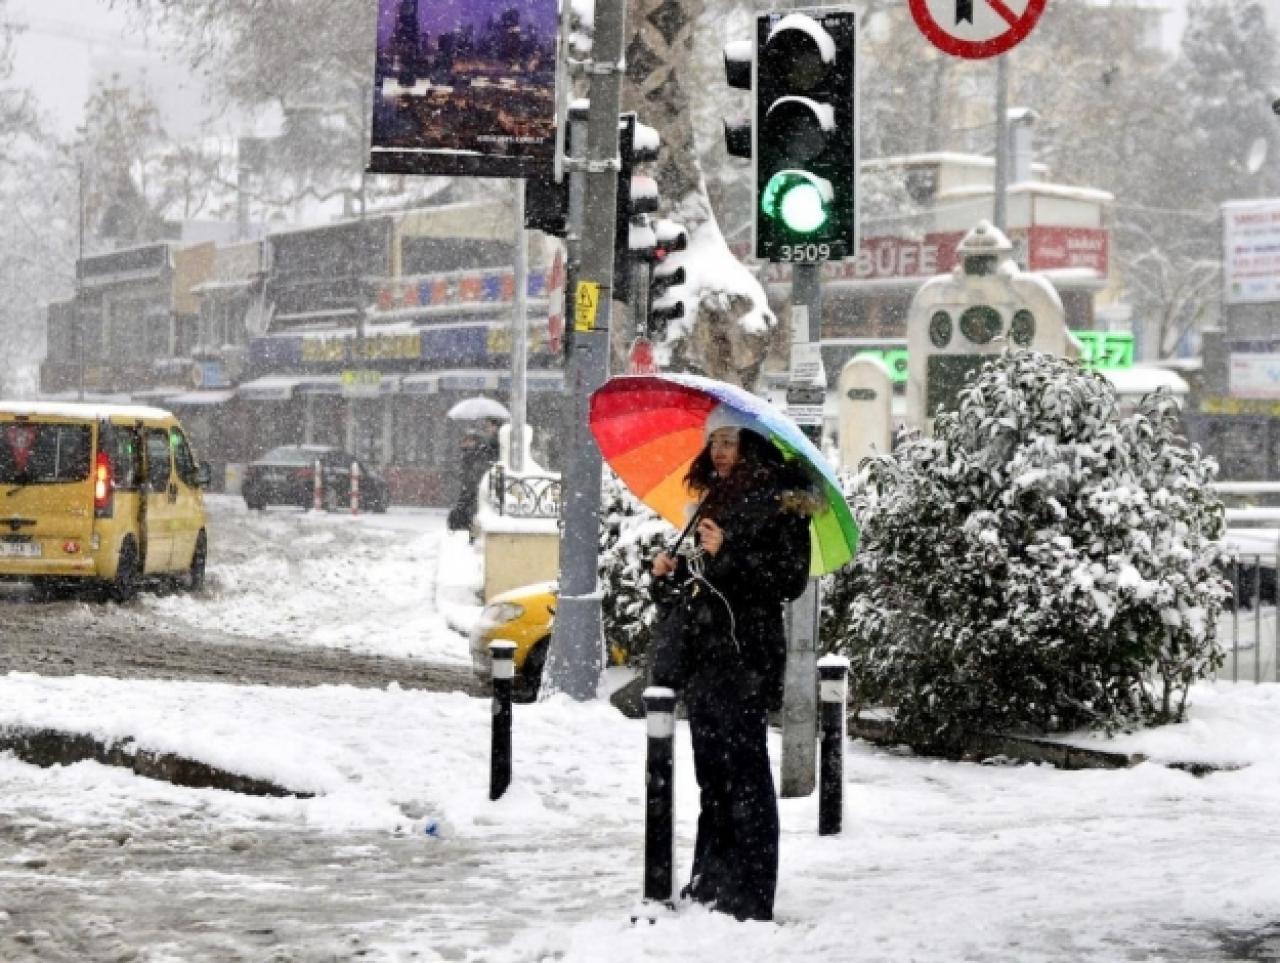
{"points": [[976, 28]]}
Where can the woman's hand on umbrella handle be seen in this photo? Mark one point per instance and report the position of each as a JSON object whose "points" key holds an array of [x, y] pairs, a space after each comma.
{"points": [[663, 565], [710, 536]]}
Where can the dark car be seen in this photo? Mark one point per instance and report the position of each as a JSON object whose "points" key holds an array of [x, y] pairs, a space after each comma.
{"points": [[287, 476]]}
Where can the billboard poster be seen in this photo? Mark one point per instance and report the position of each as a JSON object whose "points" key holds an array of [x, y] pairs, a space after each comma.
{"points": [[465, 87], [1254, 376], [1251, 251]]}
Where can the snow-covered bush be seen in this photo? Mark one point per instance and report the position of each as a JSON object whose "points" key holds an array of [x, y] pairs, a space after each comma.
{"points": [[1043, 563], [630, 535]]}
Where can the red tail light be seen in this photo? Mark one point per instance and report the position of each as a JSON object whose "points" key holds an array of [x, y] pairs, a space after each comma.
{"points": [[102, 488]]}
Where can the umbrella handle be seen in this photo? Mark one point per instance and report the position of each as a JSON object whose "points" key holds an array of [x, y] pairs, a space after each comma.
{"points": [[693, 520]]}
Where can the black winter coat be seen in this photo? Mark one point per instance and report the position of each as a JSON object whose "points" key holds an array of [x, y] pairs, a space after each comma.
{"points": [[729, 611]]}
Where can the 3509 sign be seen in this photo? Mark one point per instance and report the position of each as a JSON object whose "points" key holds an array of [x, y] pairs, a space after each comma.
{"points": [[805, 253]]}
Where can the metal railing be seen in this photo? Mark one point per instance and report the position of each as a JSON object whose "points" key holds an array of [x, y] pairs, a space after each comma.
{"points": [[1248, 630], [524, 496]]}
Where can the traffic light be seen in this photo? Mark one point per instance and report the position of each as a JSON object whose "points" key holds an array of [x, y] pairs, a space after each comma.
{"points": [[546, 205], [664, 304], [637, 195], [805, 134]]}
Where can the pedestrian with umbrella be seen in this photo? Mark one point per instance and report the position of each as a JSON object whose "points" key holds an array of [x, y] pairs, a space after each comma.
{"points": [[479, 449], [764, 515]]}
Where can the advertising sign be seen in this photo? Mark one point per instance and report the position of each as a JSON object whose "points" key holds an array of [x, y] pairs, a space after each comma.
{"points": [[1068, 247], [465, 87], [1254, 376], [1251, 251]]}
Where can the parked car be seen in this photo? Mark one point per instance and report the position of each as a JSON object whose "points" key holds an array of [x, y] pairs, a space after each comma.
{"points": [[286, 476], [524, 616], [102, 495]]}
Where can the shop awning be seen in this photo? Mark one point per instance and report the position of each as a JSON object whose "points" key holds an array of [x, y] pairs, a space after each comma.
{"points": [[197, 398], [536, 382], [320, 385], [421, 383], [464, 380], [269, 388], [470, 379], [157, 396]]}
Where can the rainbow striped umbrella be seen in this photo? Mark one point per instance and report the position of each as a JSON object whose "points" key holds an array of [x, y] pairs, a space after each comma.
{"points": [[650, 429]]}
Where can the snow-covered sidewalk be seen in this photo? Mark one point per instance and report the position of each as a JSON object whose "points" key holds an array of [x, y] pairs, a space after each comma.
{"points": [[938, 860]]}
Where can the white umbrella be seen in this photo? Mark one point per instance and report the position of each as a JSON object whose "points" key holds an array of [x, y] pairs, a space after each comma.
{"points": [[473, 409]]}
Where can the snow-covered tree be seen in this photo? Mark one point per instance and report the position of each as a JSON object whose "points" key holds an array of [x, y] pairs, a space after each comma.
{"points": [[33, 253], [630, 535], [1044, 562]]}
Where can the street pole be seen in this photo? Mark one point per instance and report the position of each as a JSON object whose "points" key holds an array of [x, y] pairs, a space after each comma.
{"points": [[576, 660], [999, 215], [806, 395], [519, 333]]}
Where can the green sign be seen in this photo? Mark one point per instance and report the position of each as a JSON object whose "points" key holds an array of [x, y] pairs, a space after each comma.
{"points": [[1106, 350]]}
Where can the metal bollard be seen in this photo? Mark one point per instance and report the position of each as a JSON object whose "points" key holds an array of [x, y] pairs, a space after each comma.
{"points": [[317, 488], [659, 805], [355, 488], [503, 669], [833, 684]]}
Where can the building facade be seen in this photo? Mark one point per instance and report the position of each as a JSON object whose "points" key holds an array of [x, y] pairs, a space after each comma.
{"points": [[359, 334]]}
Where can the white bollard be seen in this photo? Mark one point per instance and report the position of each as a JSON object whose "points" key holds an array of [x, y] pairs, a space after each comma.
{"points": [[355, 488]]}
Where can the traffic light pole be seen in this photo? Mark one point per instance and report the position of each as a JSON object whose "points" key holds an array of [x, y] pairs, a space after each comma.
{"points": [[799, 694], [575, 661]]}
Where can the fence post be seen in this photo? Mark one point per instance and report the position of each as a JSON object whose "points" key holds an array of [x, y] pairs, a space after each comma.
{"points": [[317, 487], [355, 488], [659, 807], [503, 669], [833, 684]]}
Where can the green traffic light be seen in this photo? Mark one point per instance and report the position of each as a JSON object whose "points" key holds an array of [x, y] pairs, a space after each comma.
{"points": [[801, 201]]}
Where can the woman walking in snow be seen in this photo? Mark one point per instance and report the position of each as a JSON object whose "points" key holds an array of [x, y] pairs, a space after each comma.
{"points": [[751, 556]]}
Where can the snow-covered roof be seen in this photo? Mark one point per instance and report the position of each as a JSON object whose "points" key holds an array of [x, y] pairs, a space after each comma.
{"points": [[87, 410], [1144, 379], [1043, 188], [957, 158]]}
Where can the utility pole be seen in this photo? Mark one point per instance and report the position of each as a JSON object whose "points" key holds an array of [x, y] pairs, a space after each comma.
{"points": [[999, 216], [805, 150], [576, 659], [519, 331], [806, 398]]}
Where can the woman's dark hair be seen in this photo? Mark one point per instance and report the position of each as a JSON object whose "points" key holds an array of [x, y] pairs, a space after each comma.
{"points": [[757, 457]]}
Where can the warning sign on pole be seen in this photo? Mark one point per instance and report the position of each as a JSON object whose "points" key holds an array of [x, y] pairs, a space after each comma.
{"points": [[976, 29], [586, 305]]}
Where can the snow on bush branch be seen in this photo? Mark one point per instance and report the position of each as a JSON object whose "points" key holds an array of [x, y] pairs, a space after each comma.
{"points": [[1042, 563]]}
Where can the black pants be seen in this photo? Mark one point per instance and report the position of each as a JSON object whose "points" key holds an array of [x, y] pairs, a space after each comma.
{"points": [[735, 858]]}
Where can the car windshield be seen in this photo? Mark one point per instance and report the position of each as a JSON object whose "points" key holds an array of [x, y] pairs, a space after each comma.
{"points": [[291, 455], [32, 453]]}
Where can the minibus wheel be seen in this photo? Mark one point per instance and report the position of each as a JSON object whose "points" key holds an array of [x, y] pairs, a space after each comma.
{"points": [[125, 585], [195, 574]]}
